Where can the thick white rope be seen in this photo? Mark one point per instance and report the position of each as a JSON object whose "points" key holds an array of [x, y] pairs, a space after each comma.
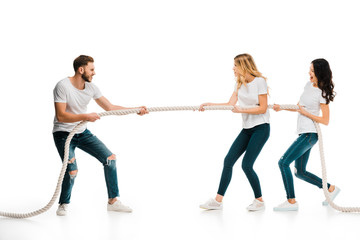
{"points": [[160, 109]]}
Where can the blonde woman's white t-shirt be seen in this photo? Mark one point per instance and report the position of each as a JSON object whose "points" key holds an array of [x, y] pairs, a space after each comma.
{"points": [[248, 96], [76, 102], [310, 99]]}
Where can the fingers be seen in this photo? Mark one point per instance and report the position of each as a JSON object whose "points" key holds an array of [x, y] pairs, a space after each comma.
{"points": [[143, 111], [276, 107], [201, 108], [92, 117], [236, 109]]}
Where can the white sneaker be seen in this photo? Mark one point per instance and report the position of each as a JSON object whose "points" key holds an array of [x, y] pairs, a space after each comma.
{"points": [[62, 209], [212, 204], [118, 207], [286, 206], [332, 195], [256, 206]]}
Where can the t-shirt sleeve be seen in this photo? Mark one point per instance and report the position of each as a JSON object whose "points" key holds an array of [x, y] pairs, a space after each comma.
{"points": [[262, 86], [322, 99], [235, 87], [59, 93], [97, 93]]}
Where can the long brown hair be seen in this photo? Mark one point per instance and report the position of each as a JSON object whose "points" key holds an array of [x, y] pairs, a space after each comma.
{"points": [[324, 75]]}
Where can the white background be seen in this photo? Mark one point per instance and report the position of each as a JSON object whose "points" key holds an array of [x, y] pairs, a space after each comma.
{"points": [[171, 53]]}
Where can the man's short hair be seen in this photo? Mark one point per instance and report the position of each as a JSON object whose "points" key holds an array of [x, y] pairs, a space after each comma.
{"points": [[82, 60]]}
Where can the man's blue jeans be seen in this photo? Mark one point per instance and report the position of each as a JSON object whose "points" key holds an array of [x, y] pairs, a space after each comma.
{"points": [[299, 152], [89, 143]]}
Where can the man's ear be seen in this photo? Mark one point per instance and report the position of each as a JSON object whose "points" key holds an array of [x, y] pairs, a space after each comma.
{"points": [[81, 70]]}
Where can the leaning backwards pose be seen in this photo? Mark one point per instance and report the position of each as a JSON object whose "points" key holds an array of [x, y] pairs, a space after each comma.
{"points": [[318, 93], [71, 97], [251, 91]]}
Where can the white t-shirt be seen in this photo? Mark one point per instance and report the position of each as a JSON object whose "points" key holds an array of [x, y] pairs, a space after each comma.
{"points": [[248, 96], [76, 101], [310, 99]]}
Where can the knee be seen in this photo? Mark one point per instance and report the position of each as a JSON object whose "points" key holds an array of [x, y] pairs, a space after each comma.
{"points": [[283, 163], [111, 161], [246, 167], [73, 174], [298, 174], [229, 161]]}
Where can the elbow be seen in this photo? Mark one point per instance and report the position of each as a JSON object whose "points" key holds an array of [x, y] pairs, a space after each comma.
{"points": [[324, 122], [109, 107], [60, 118], [263, 110]]}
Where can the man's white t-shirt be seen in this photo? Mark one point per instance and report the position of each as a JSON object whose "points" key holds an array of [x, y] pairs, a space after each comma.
{"points": [[76, 102], [248, 96], [310, 99]]}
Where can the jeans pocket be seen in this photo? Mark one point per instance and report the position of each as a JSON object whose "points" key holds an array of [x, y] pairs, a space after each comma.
{"points": [[312, 138]]}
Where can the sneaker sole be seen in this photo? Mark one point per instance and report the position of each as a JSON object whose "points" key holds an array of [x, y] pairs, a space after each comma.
{"points": [[113, 210], [219, 208], [255, 210], [126, 211], [61, 214], [285, 209]]}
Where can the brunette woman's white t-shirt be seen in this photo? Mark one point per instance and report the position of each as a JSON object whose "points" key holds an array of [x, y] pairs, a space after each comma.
{"points": [[310, 99], [248, 96]]}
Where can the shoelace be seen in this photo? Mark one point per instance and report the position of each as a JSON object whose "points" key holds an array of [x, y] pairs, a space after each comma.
{"points": [[63, 207]]}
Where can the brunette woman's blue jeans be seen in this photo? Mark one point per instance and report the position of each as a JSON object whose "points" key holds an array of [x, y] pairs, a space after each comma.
{"points": [[250, 141], [299, 152], [89, 143]]}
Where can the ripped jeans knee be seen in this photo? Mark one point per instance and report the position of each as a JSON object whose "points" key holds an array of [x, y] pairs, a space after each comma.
{"points": [[72, 168], [111, 161], [73, 174]]}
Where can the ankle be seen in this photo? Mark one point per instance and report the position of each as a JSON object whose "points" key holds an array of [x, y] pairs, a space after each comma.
{"points": [[260, 199], [219, 198], [331, 188], [112, 200], [292, 200]]}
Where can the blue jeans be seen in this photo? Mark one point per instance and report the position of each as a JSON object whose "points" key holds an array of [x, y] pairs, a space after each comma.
{"points": [[252, 141], [299, 152], [89, 143]]}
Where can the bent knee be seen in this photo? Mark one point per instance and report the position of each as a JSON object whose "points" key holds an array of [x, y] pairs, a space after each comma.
{"points": [[247, 168], [283, 163], [111, 161], [298, 174], [73, 174]]}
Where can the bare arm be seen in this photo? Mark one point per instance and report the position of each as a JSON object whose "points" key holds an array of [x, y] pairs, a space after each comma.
{"points": [[261, 109], [232, 101], [66, 117], [105, 104], [324, 119]]}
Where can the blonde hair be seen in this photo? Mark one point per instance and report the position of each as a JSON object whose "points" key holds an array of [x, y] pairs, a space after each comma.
{"points": [[246, 64]]}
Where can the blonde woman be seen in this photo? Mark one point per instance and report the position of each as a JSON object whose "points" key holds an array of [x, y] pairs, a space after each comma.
{"points": [[251, 92]]}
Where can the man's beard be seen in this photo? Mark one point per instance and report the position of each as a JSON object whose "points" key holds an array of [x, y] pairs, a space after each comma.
{"points": [[86, 78]]}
